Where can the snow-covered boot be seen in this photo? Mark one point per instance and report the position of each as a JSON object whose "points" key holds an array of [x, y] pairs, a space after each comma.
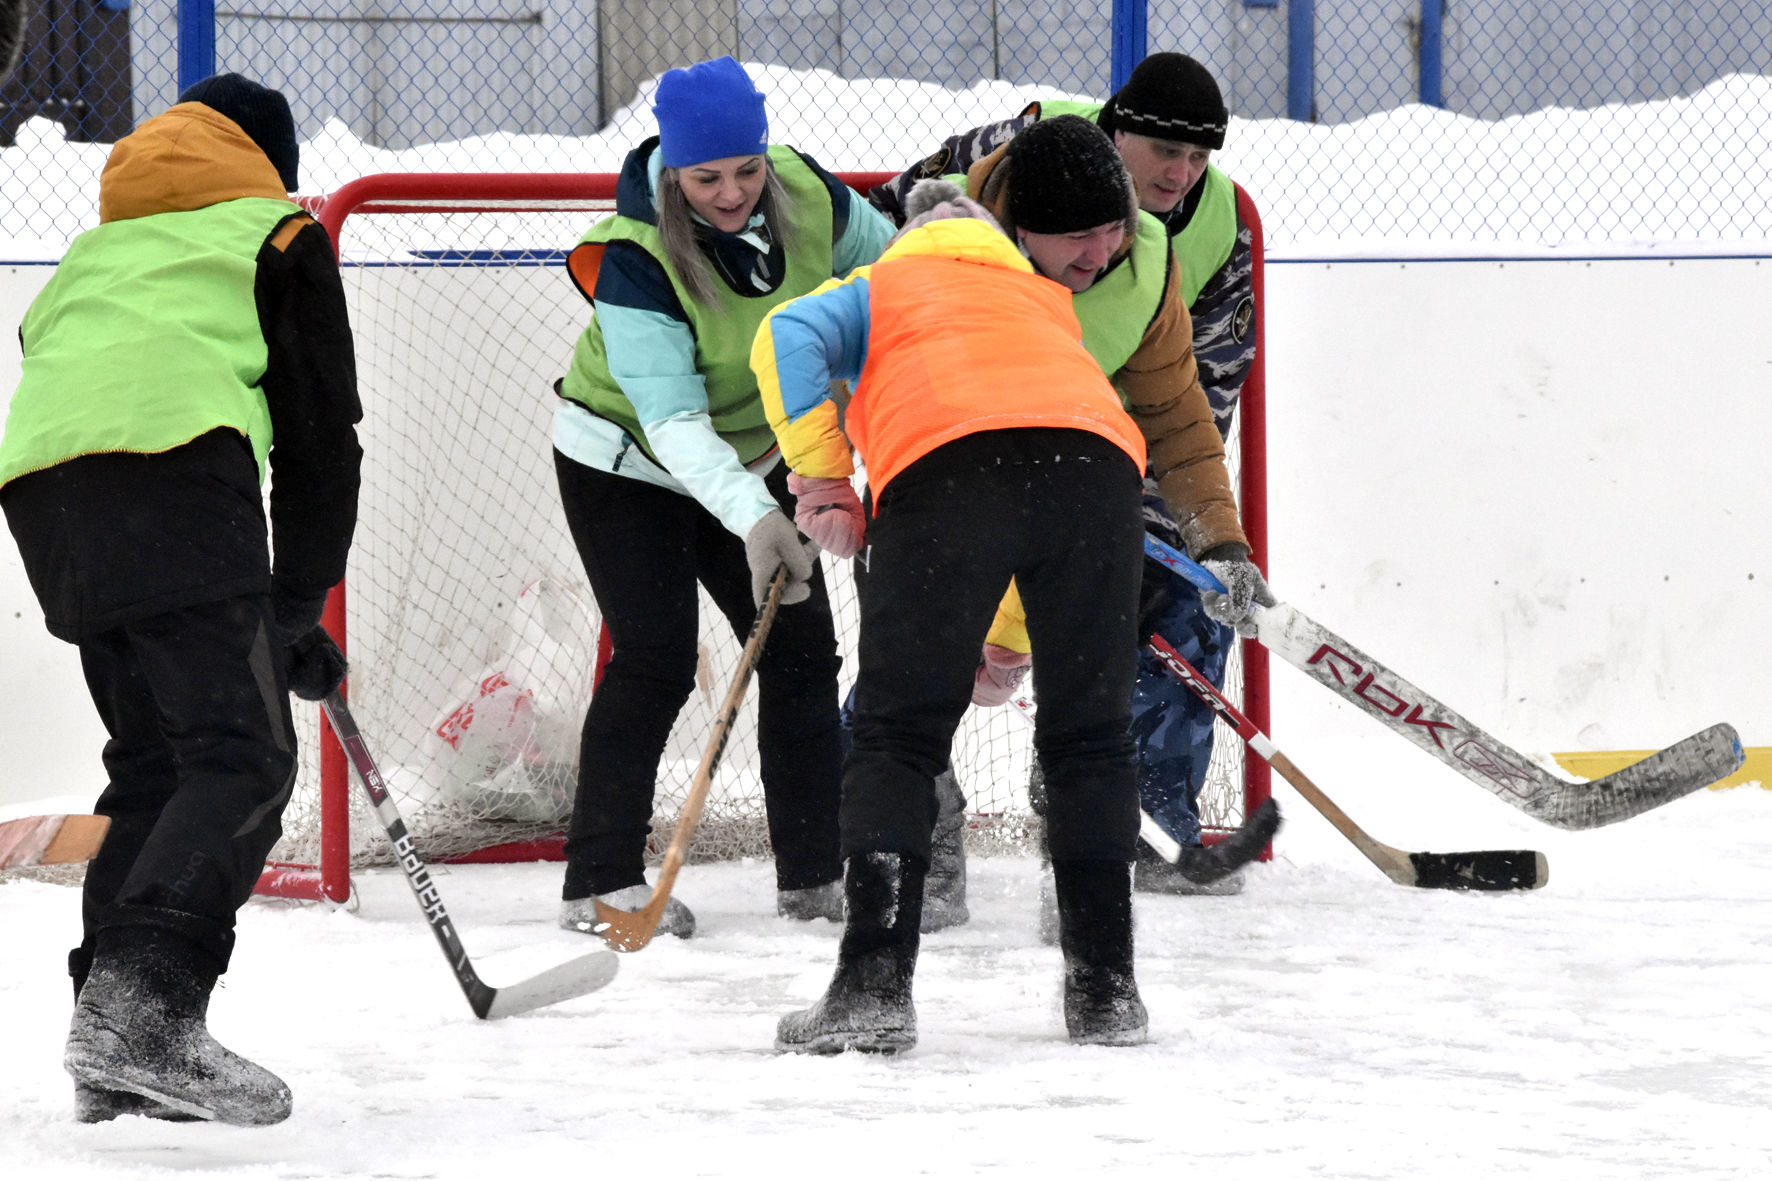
{"points": [[1101, 1002], [868, 1004], [944, 890], [813, 902], [139, 1027], [580, 914]]}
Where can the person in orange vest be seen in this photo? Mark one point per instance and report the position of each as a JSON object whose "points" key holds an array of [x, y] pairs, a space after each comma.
{"points": [[995, 449]]}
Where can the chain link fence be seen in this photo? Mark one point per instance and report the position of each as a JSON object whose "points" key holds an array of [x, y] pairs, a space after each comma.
{"points": [[1476, 122]]}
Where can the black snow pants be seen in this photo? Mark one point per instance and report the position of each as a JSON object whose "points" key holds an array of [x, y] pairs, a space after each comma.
{"points": [[1057, 510], [645, 548], [201, 759]]}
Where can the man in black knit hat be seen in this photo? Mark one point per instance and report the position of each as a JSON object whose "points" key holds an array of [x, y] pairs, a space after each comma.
{"points": [[1164, 123], [192, 343]]}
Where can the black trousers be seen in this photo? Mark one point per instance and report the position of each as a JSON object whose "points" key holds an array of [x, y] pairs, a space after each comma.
{"points": [[1058, 510], [201, 759], [645, 549]]}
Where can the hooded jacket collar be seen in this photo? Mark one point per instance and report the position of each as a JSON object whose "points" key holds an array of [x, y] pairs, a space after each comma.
{"points": [[189, 158]]}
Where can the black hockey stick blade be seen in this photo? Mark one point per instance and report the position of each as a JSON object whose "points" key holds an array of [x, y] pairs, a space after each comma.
{"points": [[1512, 869]]}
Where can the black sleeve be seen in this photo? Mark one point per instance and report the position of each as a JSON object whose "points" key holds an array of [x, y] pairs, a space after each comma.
{"points": [[956, 154], [310, 384]]}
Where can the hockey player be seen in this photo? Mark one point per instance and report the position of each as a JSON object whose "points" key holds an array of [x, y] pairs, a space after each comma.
{"points": [[196, 338], [1165, 123], [995, 449], [670, 476]]}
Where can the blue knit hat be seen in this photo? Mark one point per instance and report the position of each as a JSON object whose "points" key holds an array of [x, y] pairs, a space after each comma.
{"points": [[708, 112]]}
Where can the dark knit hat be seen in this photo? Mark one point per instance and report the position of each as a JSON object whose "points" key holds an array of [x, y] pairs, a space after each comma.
{"points": [[708, 112], [261, 112], [1169, 96], [1065, 175]]}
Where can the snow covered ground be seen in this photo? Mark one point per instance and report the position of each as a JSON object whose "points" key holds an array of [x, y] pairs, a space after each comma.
{"points": [[1323, 1024]]}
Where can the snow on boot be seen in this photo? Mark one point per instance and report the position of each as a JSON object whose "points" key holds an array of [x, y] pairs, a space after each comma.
{"points": [[96, 1105], [1209, 869], [944, 889], [813, 902], [868, 1004], [1101, 1002], [139, 1026], [580, 914], [1048, 906]]}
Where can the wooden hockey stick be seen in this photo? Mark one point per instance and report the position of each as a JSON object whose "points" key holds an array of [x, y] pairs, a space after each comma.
{"points": [[630, 930], [1517, 869], [1681, 769], [50, 840], [574, 978]]}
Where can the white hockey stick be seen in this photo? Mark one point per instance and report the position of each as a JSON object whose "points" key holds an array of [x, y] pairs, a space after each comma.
{"points": [[574, 978], [50, 840], [1357, 678]]}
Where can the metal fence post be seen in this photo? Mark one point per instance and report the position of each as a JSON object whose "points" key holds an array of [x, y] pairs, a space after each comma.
{"points": [[1128, 41], [196, 41], [1301, 54], [1432, 28]]}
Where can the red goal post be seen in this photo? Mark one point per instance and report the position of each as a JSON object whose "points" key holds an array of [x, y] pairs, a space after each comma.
{"points": [[473, 638]]}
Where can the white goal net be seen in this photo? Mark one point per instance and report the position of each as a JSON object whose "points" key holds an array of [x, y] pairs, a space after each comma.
{"points": [[471, 631]]}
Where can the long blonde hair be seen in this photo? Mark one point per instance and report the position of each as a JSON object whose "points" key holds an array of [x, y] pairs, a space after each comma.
{"points": [[683, 235]]}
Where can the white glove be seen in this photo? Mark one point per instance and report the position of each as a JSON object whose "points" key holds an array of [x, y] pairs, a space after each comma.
{"points": [[773, 542], [1243, 585]]}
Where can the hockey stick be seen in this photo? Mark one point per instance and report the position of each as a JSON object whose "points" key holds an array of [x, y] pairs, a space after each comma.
{"points": [[574, 978], [1667, 775], [1519, 869], [630, 930], [50, 840], [1166, 846]]}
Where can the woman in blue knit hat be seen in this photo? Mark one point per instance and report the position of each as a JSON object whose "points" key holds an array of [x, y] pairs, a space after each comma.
{"points": [[670, 477]]}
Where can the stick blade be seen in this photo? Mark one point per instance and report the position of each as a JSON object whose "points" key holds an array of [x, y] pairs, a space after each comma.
{"points": [[1511, 869], [574, 978], [1707, 757], [51, 840], [629, 930]]}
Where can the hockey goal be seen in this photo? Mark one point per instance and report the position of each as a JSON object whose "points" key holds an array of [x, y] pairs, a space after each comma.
{"points": [[473, 637]]}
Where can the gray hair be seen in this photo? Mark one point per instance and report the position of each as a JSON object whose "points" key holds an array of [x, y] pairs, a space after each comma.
{"points": [[683, 235]]}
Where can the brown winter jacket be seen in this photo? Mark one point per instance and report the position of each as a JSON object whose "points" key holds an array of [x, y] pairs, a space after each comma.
{"points": [[1160, 385]]}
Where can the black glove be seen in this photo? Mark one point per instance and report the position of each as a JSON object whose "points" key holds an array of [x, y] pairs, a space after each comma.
{"points": [[316, 666], [296, 608]]}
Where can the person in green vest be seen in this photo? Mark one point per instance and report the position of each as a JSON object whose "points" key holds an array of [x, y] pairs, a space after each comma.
{"points": [[1166, 122], [670, 477], [193, 342]]}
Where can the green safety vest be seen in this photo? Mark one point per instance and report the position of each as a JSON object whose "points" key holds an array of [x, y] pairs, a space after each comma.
{"points": [[1117, 309], [723, 332], [146, 337], [1205, 244]]}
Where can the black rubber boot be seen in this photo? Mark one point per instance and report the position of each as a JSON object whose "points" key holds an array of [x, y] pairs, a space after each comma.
{"points": [[139, 1027], [944, 889], [868, 1004], [1101, 1002], [96, 1105]]}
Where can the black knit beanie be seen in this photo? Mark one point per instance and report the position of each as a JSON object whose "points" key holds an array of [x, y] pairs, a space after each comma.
{"points": [[1065, 175], [1169, 96], [261, 112]]}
